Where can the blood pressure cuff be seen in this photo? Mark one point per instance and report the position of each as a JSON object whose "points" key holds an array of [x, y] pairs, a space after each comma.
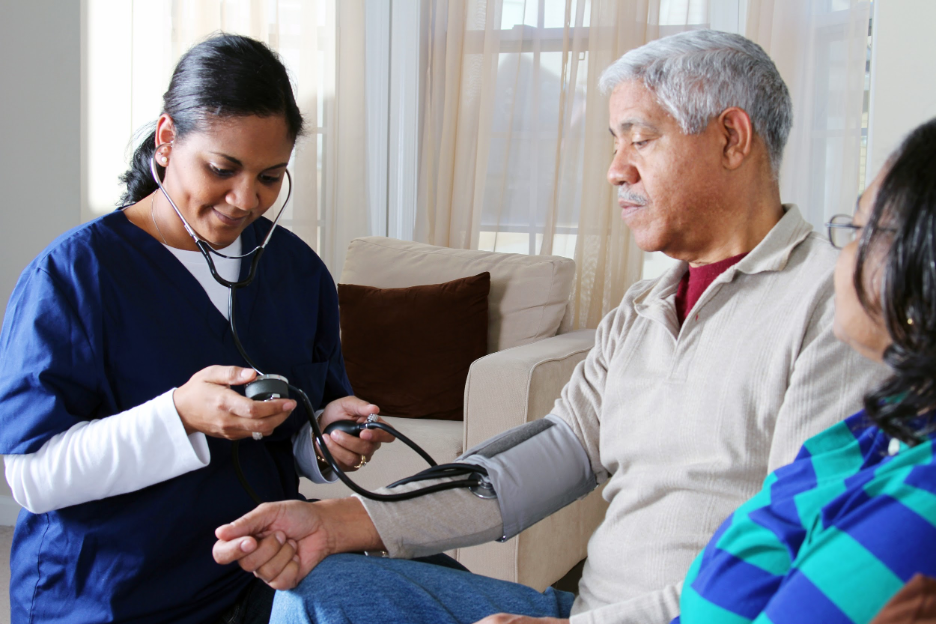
{"points": [[535, 469]]}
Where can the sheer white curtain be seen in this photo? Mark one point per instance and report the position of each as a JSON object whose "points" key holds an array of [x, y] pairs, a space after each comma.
{"points": [[131, 48], [515, 142], [821, 50]]}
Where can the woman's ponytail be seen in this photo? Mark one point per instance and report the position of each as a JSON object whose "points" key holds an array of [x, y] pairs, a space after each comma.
{"points": [[138, 178]]}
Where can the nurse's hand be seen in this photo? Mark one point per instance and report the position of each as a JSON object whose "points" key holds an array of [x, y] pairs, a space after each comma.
{"points": [[206, 403], [302, 535], [350, 452]]}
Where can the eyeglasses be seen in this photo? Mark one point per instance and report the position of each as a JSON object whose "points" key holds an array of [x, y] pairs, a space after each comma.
{"points": [[842, 231]]}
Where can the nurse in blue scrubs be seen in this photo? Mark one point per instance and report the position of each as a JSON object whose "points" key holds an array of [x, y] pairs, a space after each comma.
{"points": [[119, 372]]}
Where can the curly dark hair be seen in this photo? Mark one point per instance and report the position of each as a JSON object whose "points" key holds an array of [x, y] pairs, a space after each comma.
{"points": [[902, 224], [223, 76]]}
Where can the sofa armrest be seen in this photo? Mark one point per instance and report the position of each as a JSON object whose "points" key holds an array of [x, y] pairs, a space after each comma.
{"points": [[507, 389], [514, 386]]}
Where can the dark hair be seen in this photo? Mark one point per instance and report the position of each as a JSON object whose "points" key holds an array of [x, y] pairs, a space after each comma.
{"points": [[904, 218], [224, 76]]}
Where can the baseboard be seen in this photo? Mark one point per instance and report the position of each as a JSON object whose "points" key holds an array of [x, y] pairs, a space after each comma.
{"points": [[9, 509]]}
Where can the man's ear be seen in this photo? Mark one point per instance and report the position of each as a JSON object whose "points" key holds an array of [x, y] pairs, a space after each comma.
{"points": [[738, 132], [165, 129]]}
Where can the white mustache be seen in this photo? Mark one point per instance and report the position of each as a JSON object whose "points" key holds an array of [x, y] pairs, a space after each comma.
{"points": [[631, 197]]}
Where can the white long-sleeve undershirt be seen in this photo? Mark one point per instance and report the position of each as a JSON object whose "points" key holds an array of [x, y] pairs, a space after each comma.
{"points": [[96, 459], [137, 448]]}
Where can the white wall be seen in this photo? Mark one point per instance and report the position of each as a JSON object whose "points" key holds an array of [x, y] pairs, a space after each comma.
{"points": [[903, 68], [40, 147]]}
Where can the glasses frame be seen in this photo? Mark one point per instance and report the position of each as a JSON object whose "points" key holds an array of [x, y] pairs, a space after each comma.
{"points": [[835, 223], [841, 222]]}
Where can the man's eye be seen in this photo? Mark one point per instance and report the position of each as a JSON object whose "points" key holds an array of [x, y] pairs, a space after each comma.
{"points": [[640, 143], [270, 179]]}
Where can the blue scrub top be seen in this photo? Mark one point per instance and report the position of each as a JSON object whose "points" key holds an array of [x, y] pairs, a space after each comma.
{"points": [[105, 319]]}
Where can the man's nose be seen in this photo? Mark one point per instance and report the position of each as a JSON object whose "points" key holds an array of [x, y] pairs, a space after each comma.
{"points": [[622, 170]]}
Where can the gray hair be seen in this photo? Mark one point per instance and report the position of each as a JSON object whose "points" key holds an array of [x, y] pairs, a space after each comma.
{"points": [[697, 74]]}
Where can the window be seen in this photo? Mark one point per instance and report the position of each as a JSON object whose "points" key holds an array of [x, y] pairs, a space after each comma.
{"points": [[529, 123]]}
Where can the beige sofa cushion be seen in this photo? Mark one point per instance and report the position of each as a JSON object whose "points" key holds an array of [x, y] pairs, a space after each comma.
{"points": [[528, 293]]}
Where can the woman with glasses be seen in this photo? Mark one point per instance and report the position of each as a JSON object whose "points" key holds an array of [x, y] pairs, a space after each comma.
{"points": [[119, 372], [834, 535]]}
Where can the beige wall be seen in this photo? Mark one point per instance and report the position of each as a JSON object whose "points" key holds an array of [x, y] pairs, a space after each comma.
{"points": [[903, 74], [40, 113]]}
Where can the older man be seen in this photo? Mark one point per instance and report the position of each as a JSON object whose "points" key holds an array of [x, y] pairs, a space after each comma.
{"points": [[699, 383]]}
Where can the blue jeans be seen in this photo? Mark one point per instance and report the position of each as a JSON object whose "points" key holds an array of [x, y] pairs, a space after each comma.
{"points": [[353, 589]]}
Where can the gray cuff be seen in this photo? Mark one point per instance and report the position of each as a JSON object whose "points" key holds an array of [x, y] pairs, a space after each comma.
{"points": [[535, 469], [432, 524]]}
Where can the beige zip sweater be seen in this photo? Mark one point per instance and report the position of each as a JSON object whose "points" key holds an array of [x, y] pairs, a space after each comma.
{"points": [[685, 422]]}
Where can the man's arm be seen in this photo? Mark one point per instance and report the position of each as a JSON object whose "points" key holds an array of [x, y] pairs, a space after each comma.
{"points": [[431, 524], [535, 469], [826, 385], [457, 518]]}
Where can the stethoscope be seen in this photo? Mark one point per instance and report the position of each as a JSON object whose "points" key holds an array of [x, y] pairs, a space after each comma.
{"points": [[268, 386]]}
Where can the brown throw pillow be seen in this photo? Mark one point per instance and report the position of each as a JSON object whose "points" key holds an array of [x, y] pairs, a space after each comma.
{"points": [[407, 350]]}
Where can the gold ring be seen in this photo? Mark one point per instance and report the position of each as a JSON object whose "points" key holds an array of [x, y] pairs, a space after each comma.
{"points": [[362, 464]]}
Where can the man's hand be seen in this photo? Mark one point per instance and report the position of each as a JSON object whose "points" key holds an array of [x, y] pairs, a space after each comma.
{"points": [[273, 557], [350, 451], [278, 542], [281, 542], [506, 618]]}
